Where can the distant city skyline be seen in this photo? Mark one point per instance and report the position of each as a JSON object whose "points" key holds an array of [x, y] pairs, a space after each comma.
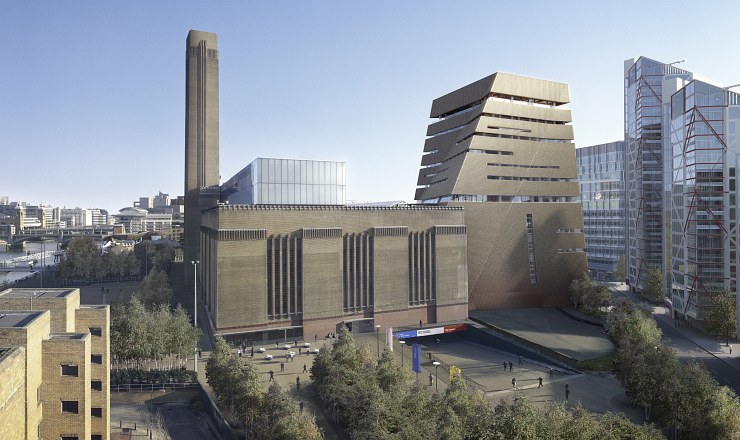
{"points": [[94, 97]]}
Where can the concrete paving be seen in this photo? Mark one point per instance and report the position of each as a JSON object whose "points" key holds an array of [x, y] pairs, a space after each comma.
{"points": [[172, 417], [551, 328]]}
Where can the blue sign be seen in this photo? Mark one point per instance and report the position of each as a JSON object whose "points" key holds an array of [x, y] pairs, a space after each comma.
{"points": [[406, 334], [416, 358]]}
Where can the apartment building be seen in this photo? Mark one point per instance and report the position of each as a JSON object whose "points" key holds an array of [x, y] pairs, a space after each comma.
{"points": [[55, 366]]}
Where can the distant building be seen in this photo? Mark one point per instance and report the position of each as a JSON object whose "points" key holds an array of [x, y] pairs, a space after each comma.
{"points": [[161, 200], [601, 176], [287, 182], [54, 365], [136, 220], [502, 148]]}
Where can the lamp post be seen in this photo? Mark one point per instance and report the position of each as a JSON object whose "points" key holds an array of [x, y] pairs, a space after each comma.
{"points": [[195, 264], [403, 344], [377, 338], [436, 376]]}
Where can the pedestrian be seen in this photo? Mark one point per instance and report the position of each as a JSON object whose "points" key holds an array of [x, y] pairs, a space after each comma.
{"points": [[420, 324], [431, 379], [504, 365], [298, 384], [730, 348], [305, 370], [567, 392], [511, 366], [300, 408], [286, 357], [300, 350], [513, 382], [539, 380], [520, 361], [239, 351], [272, 376], [276, 344], [551, 372], [315, 338], [282, 367], [251, 354]]}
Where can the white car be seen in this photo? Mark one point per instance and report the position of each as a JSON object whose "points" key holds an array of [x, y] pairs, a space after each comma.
{"points": [[261, 349], [315, 350], [268, 357], [291, 354]]}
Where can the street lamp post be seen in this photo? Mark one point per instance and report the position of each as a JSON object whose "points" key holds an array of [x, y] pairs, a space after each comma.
{"points": [[377, 338], [436, 374], [195, 309], [403, 344]]}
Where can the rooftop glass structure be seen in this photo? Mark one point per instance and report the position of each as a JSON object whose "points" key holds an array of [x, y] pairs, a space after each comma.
{"points": [[287, 182]]}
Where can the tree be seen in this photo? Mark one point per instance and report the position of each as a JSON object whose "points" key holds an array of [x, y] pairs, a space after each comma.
{"points": [[721, 319], [620, 271], [653, 287], [598, 296], [163, 258], [138, 334], [82, 259], [579, 289], [155, 290]]}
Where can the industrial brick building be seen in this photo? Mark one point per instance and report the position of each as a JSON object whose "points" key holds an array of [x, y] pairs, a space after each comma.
{"points": [[502, 148], [275, 271], [54, 365]]}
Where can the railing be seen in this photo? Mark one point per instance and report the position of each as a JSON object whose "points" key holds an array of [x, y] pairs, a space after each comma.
{"points": [[126, 387]]}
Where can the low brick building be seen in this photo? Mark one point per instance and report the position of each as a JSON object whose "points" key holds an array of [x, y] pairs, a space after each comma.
{"points": [[295, 271], [54, 365]]}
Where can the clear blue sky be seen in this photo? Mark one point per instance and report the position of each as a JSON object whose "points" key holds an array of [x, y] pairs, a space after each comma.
{"points": [[92, 92]]}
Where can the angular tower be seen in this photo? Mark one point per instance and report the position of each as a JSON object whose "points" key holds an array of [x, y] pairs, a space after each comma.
{"points": [[503, 149], [201, 137]]}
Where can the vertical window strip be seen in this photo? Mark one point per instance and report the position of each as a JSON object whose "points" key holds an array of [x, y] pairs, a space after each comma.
{"points": [[299, 275], [530, 250], [434, 267], [345, 273], [371, 271], [270, 310]]}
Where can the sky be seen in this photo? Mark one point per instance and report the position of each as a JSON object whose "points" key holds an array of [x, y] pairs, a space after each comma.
{"points": [[92, 93]]}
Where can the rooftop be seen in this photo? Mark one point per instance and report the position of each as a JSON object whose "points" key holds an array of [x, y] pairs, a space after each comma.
{"points": [[17, 319], [35, 293], [68, 335]]}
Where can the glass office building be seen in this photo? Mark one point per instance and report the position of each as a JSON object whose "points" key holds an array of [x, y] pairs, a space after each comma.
{"points": [[704, 122], [287, 182], [601, 177], [646, 170]]}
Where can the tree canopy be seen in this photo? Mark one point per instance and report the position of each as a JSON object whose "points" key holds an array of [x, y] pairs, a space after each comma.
{"points": [[138, 334], [653, 284], [381, 400], [270, 415], [721, 319], [684, 398]]}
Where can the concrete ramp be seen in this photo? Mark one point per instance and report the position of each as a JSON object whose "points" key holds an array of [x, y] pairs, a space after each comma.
{"points": [[552, 329]]}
